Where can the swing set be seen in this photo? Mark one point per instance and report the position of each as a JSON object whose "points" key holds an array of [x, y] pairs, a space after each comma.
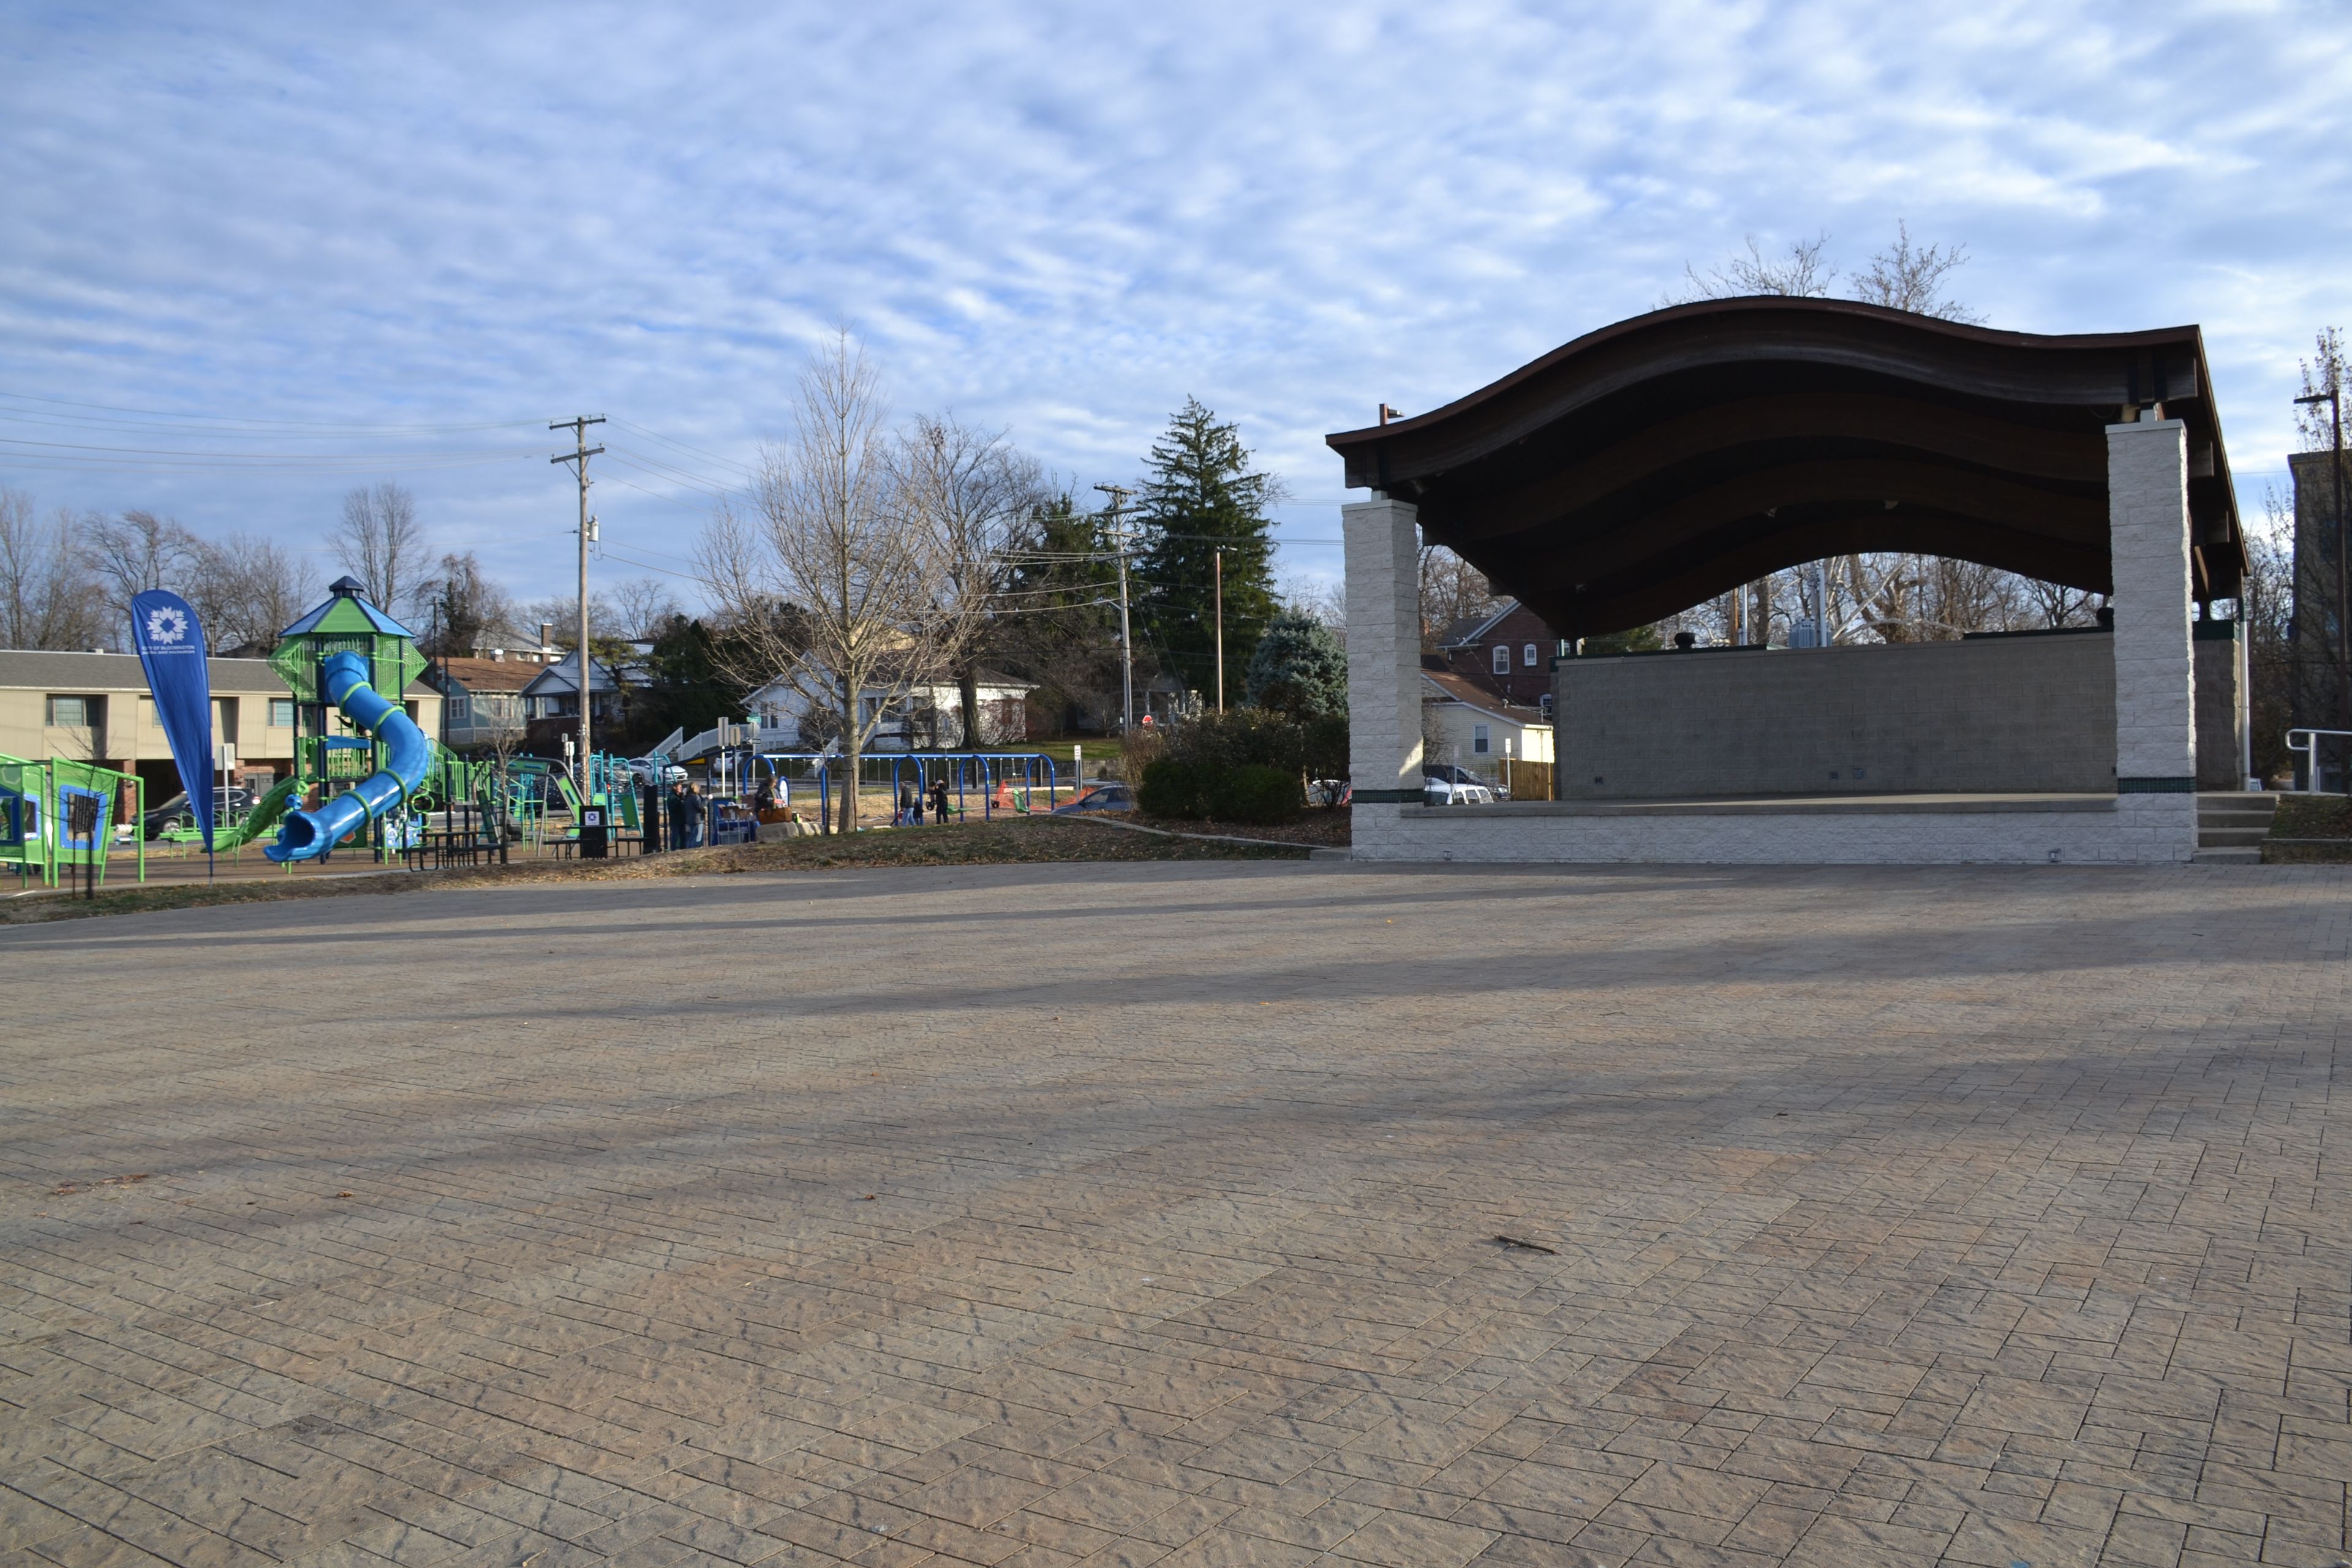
{"points": [[1020, 783]]}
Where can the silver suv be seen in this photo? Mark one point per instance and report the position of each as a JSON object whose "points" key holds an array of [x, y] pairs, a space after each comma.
{"points": [[1443, 783]]}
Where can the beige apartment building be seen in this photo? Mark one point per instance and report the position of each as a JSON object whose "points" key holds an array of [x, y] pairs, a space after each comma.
{"points": [[94, 708]]}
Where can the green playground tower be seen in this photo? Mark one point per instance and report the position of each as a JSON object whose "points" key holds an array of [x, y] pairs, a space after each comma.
{"points": [[330, 755]]}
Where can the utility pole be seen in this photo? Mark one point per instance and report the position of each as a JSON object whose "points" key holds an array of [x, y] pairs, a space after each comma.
{"points": [[1126, 635], [581, 452], [1221, 630]]}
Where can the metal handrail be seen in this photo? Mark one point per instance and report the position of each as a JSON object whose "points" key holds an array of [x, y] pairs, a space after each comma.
{"points": [[2310, 749]]}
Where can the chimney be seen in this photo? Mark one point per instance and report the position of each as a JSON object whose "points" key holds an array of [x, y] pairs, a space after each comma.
{"points": [[546, 637]]}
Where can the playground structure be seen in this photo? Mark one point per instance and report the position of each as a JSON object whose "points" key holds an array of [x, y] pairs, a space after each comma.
{"points": [[59, 814], [343, 656]]}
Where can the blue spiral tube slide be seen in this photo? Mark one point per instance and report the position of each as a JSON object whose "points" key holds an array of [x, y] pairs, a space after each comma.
{"points": [[307, 835]]}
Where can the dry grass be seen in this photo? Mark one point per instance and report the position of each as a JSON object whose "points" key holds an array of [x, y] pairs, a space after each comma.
{"points": [[1031, 840]]}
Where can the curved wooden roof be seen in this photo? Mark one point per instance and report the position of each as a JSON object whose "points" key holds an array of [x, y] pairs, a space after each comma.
{"points": [[1667, 458]]}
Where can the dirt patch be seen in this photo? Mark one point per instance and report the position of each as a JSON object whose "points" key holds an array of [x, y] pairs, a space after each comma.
{"points": [[1031, 840]]}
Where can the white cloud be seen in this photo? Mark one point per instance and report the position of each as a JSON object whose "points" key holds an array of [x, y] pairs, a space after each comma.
{"points": [[1065, 219]]}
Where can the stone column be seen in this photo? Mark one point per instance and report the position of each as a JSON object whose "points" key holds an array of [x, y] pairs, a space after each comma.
{"points": [[1383, 567], [2156, 695]]}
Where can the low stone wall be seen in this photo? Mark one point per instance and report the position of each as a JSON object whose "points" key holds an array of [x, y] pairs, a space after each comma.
{"points": [[2013, 714], [2066, 830]]}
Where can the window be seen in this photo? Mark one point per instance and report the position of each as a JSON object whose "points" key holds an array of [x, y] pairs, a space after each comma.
{"points": [[1478, 742], [1502, 660], [1527, 656], [71, 712], [281, 713], [1544, 703]]}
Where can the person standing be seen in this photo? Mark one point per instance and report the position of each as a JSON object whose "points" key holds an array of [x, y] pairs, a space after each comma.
{"points": [[694, 811], [940, 799]]}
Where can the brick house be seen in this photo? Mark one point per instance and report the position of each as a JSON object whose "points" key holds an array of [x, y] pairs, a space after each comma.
{"points": [[1508, 651]]}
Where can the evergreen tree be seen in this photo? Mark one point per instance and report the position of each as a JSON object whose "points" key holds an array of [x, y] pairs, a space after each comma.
{"points": [[1299, 669], [690, 687], [1200, 497]]}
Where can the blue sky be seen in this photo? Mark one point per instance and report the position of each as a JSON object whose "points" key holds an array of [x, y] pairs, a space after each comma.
{"points": [[314, 225]]}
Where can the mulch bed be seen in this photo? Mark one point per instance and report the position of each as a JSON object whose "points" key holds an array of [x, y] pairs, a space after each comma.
{"points": [[1318, 829], [2302, 818]]}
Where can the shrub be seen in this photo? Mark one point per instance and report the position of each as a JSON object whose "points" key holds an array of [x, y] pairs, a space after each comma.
{"points": [[1255, 794], [1172, 788], [1243, 737], [1141, 746], [1327, 747]]}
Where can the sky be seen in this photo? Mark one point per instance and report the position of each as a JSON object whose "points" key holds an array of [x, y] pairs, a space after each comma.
{"points": [[347, 245]]}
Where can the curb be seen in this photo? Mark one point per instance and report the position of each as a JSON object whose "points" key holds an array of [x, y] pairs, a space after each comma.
{"points": [[1313, 852]]}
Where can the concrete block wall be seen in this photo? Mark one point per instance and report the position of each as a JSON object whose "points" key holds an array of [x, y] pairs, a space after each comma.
{"points": [[2034, 714], [1383, 580], [2094, 830]]}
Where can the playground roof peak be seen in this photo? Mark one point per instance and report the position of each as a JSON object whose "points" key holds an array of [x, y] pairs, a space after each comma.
{"points": [[347, 610]]}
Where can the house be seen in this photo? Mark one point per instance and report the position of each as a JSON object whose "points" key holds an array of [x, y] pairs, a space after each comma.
{"points": [[926, 717], [1508, 649], [550, 699], [95, 707], [1464, 721], [482, 698]]}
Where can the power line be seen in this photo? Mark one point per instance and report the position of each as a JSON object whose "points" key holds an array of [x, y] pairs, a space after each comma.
{"points": [[373, 428]]}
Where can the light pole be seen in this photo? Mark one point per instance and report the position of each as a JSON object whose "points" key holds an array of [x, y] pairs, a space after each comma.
{"points": [[2333, 398]]}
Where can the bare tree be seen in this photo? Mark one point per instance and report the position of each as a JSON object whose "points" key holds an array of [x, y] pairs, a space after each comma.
{"points": [[1321, 600], [246, 590], [464, 607], [133, 553], [1451, 590], [976, 498], [2314, 422], [1802, 273], [831, 536], [1905, 277], [605, 629], [641, 607], [381, 542], [48, 597]]}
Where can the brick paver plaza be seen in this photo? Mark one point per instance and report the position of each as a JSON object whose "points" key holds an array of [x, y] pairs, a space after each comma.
{"points": [[1149, 1214]]}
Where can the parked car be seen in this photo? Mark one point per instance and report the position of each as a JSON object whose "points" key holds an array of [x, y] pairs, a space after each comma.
{"points": [[651, 771], [230, 803], [1113, 796], [1443, 783]]}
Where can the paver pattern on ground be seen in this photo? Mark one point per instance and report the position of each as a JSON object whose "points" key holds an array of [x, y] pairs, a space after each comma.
{"points": [[1149, 1214]]}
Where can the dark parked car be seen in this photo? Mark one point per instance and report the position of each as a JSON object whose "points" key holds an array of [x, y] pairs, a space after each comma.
{"points": [[1099, 797], [229, 802]]}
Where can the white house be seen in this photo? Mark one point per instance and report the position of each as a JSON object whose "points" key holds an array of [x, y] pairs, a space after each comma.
{"points": [[1467, 724], [926, 717]]}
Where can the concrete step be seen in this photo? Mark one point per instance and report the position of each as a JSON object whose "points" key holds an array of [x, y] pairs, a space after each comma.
{"points": [[2232, 837], [2239, 806], [2227, 856]]}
